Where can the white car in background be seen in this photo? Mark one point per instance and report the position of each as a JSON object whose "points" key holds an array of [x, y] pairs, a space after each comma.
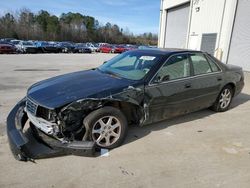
{"points": [[15, 42], [91, 46], [26, 47]]}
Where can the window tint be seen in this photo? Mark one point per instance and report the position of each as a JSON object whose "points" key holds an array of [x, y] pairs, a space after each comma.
{"points": [[200, 64], [126, 61], [176, 67], [213, 65]]}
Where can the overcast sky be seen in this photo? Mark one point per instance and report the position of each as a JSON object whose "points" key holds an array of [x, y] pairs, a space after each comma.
{"points": [[138, 15]]}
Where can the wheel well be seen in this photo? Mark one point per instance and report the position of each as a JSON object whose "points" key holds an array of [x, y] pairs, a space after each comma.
{"points": [[232, 85], [131, 111]]}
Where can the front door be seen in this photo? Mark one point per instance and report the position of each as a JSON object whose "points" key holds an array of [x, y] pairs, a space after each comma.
{"points": [[169, 93]]}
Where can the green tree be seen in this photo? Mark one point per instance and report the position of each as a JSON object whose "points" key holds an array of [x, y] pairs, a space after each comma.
{"points": [[69, 26]]}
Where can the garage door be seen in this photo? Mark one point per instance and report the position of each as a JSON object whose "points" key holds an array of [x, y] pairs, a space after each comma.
{"points": [[177, 26], [239, 53]]}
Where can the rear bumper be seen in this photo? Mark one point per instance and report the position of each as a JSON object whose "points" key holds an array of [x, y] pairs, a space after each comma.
{"points": [[27, 144], [239, 87], [7, 51]]}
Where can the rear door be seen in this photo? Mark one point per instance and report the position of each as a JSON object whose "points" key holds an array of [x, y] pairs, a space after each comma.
{"points": [[206, 80], [169, 93]]}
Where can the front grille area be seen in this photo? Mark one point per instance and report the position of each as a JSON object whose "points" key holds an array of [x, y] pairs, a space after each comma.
{"points": [[38, 111], [31, 107], [43, 113]]}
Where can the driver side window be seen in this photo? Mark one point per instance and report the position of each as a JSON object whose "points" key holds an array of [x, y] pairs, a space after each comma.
{"points": [[176, 67]]}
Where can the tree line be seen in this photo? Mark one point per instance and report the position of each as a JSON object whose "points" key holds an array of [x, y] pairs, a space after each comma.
{"points": [[74, 27]]}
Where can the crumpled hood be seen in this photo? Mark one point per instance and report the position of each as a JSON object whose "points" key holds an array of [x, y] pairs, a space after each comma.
{"points": [[61, 90]]}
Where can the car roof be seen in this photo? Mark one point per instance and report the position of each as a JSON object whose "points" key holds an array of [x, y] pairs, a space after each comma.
{"points": [[166, 51]]}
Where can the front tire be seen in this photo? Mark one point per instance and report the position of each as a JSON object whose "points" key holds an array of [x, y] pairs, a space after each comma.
{"points": [[108, 127], [224, 99]]}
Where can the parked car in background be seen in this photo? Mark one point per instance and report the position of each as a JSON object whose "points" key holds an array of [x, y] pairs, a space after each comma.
{"points": [[26, 47], [15, 42], [107, 48], [7, 48], [100, 44], [46, 47], [82, 48], [119, 49], [65, 47], [142, 47], [131, 47], [91, 46], [97, 47]]}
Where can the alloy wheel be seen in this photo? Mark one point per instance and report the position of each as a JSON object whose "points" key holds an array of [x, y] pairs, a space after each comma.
{"points": [[225, 98], [106, 131]]}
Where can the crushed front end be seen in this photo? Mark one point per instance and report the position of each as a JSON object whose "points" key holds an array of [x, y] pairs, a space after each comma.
{"points": [[42, 138]]}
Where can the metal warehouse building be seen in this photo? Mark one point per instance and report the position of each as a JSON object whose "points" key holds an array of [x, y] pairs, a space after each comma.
{"points": [[219, 27]]}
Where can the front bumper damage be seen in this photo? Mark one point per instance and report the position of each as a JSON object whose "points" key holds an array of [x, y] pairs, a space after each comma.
{"points": [[28, 144]]}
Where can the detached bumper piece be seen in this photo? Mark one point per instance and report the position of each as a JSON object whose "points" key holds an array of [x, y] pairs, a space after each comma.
{"points": [[28, 145]]}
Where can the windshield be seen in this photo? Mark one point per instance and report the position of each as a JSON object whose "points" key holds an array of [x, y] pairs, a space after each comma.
{"points": [[45, 43], [65, 44], [15, 42], [131, 65]]}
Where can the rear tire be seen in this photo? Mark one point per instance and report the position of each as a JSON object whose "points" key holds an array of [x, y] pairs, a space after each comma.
{"points": [[107, 126], [224, 99]]}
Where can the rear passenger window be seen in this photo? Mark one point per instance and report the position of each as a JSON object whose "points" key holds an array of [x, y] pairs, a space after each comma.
{"points": [[200, 64], [213, 65]]}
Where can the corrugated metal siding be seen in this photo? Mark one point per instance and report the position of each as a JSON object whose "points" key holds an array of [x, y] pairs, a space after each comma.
{"points": [[239, 53], [177, 25], [208, 42]]}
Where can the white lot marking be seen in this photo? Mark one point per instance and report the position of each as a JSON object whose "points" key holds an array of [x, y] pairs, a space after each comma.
{"points": [[104, 152], [168, 133], [230, 150], [238, 144]]}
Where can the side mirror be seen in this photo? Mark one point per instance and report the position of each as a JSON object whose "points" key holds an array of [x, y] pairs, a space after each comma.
{"points": [[105, 62], [165, 78], [159, 79]]}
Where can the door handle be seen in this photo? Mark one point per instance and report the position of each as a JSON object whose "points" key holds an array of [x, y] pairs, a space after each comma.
{"points": [[188, 85], [219, 78]]}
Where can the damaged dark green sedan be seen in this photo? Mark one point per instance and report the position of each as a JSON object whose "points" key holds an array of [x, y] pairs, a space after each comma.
{"points": [[79, 112]]}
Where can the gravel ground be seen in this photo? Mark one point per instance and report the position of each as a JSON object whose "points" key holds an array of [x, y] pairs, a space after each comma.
{"points": [[202, 149]]}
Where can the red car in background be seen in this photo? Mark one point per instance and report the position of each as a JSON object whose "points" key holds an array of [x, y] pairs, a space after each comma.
{"points": [[7, 48], [120, 49], [106, 49]]}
